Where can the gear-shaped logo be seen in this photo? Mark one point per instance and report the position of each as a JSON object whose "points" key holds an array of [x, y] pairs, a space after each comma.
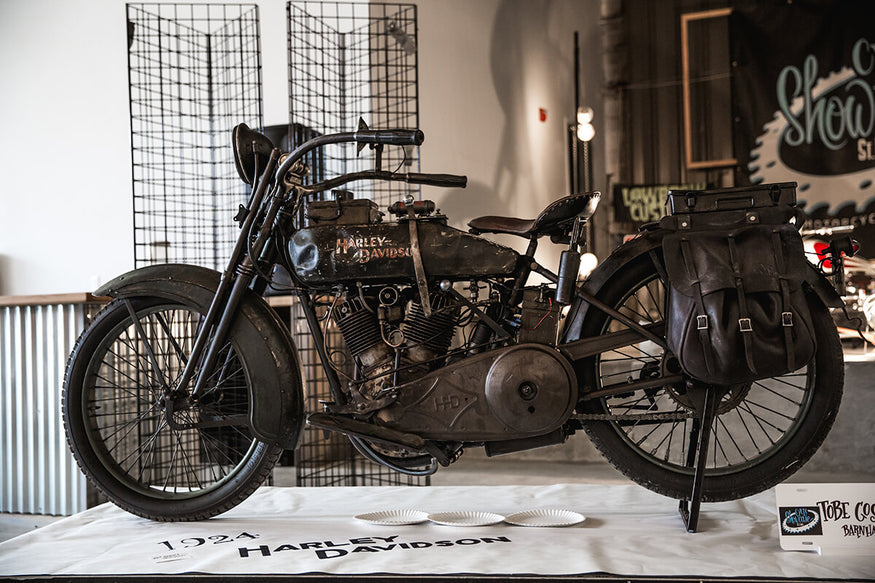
{"points": [[796, 520], [766, 165]]}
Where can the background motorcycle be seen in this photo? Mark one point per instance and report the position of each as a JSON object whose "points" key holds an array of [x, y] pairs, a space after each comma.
{"points": [[853, 275], [183, 392]]}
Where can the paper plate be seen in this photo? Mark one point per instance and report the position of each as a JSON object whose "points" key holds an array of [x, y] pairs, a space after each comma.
{"points": [[545, 517], [469, 518], [394, 517]]}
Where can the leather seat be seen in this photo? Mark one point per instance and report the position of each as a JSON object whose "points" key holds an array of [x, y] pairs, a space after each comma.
{"points": [[553, 220]]}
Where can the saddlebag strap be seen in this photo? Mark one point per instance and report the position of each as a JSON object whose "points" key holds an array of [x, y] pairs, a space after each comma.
{"points": [[418, 268], [702, 316], [744, 321], [786, 313]]}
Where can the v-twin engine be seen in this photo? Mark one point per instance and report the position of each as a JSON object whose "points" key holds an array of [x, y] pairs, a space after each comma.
{"points": [[376, 329], [506, 393]]}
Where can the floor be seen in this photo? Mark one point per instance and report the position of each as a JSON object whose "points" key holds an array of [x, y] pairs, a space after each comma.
{"points": [[483, 472]]}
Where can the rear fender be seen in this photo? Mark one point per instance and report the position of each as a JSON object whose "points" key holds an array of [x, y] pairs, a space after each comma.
{"points": [[627, 252], [277, 412], [644, 244], [823, 288]]}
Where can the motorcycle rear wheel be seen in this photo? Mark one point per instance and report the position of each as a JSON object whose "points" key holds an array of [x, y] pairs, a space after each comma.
{"points": [[763, 431], [114, 411]]}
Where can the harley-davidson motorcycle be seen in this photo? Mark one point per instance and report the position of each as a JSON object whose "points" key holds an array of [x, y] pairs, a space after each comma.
{"points": [[185, 389]]}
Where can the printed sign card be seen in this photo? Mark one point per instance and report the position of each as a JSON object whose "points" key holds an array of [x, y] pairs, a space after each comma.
{"points": [[827, 518]]}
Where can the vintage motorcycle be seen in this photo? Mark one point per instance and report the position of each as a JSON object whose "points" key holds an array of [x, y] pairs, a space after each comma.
{"points": [[183, 392]]}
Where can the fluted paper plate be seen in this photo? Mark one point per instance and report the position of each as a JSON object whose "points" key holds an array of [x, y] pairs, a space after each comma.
{"points": [[466, 518], [394, 517], [545, 517]]}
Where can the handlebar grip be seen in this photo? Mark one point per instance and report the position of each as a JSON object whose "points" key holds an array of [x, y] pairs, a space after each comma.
{"points": [[444, 180], [390, 137]]}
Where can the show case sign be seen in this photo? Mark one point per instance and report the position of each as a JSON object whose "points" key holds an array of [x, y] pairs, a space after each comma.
{"points": [[804, 97]]}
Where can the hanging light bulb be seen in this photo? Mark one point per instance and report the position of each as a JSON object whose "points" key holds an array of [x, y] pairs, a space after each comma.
{"points": [[588, 262], [584, 115], [585, 129], [585, 132]]}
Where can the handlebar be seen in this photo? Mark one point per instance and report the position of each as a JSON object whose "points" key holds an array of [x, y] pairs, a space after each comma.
{"points": [[390, 137], [443, 180], [362, 136], [366, 136]]}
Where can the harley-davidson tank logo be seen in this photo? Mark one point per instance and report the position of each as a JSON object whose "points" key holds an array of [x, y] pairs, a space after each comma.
{"points": [[365, 249]]}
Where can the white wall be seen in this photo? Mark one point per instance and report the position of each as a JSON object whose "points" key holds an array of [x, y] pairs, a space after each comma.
{"points": [[486, 67], [64, 145]]}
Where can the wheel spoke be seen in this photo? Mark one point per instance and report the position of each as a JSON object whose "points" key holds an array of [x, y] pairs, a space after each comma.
{"points": [[131, 425], [146, 352], [751, 423], [747, 430], [149, 445], [180, 353], [721, 424]]}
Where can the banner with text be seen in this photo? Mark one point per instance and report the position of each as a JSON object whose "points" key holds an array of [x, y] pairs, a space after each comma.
{"points": [[804, 97], [636, 204]]}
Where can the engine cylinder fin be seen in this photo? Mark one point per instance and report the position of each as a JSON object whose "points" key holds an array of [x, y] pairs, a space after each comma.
{"points": [[358, 325], [433, 333]]}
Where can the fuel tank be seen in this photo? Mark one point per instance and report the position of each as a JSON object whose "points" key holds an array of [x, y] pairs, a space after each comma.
{"points": [[337, 253]]}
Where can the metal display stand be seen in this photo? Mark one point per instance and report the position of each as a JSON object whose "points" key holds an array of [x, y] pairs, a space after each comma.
{"points": [[194, 73], [351, 60], [348, 60], [700, 438]]}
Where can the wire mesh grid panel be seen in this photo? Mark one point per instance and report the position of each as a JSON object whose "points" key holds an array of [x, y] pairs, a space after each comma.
{"points": [[194, 73], [349, 60], [325, 458], [352, 60]]}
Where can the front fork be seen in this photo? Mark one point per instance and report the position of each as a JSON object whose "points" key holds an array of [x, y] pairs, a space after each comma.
{"points": [[235, 282]]}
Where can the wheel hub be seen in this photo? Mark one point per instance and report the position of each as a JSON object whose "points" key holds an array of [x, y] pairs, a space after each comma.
{"points": [[669, 365]]}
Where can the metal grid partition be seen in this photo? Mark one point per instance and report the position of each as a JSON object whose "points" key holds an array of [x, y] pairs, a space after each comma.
{"points": [[194, 73], [349, 60], [325, 458]]}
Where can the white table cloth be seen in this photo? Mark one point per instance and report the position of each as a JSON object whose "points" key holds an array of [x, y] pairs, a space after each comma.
{"points": [[628, 531]]}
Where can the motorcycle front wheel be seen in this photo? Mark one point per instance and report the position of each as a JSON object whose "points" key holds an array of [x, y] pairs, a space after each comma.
{"points": [[168, 466], [763, 431]]}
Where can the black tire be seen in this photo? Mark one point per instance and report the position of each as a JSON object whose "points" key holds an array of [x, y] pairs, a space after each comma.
{"points": [[118, 430], [763, 433]]}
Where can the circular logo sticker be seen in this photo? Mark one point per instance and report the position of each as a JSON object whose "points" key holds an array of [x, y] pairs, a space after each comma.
{"points": [[800, 520]]}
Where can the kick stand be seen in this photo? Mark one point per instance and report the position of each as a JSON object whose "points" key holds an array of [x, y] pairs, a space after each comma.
{"points": [[700, 436]]}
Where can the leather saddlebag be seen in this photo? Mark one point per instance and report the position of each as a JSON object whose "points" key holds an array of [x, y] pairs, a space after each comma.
{"points": [[737, 311]]}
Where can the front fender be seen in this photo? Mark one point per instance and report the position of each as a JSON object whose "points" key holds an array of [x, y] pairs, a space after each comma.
{"points": [[276, 394]]}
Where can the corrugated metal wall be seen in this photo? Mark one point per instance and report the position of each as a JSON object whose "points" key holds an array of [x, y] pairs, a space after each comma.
{"points": [[37, 472]]}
